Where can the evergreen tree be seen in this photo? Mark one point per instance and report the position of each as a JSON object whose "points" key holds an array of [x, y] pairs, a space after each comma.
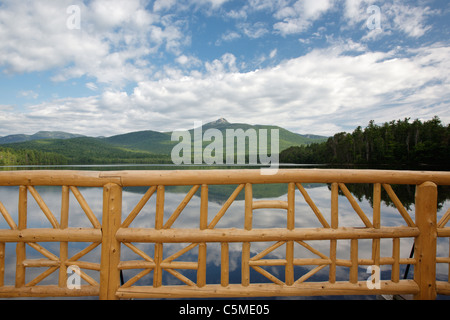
{"points": [[393, 143]]}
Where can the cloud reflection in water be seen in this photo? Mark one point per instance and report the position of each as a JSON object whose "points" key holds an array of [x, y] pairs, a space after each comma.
{"points": [[189, 218]]}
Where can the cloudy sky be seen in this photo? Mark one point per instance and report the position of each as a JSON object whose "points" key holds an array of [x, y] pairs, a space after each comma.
{"points": [[105, 67]]}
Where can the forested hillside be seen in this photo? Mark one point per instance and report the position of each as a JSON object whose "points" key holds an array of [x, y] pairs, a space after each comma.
{"points": [[13, 157], [398, 142], [88, 151], [14, 138], [142, 147]]}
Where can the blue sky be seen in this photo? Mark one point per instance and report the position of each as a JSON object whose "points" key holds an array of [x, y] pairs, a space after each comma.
{"points": [[103, 67]]}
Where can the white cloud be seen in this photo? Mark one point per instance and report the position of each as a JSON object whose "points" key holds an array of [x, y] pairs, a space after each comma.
{"points": [[188, 61], [28, 94], [214, 3], [91, 86], [114, 41], [230, 36], [227, 63], [237, 14], [160, 5], [395, 16], [410, 20], [254, 31], [183, 60], [123, 42], [404, 17], [29, 38], [355, 11], [322, 92], [273, 53], [113, 13], [313, 9], [114, 101], [6, 107], [208, 6], [298, 17], [266, 4]]}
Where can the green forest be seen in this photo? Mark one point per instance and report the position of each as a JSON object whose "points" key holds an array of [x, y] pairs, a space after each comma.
{"points": [[73, 151], [29, 157], [395, 143], [398, 144], [141, 147]]}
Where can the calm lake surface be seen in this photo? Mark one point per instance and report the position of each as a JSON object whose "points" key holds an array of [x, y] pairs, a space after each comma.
{"points": [[234, 218]]}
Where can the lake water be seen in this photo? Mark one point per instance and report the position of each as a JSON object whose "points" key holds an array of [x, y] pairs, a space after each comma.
{"points": [[234, 218]]}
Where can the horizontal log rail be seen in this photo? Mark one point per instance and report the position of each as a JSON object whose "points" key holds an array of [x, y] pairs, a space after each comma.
{"points": [[215, 177], [52, 235], [113, 232], [259, 235]]}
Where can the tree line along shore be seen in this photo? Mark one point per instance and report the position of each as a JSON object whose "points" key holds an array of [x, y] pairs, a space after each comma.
{"points": [[394, 143]]}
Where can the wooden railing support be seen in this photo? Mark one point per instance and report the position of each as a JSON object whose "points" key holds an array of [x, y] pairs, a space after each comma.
{"points": [[425, 243], [110, 255], [111, 233], [21, 246]]}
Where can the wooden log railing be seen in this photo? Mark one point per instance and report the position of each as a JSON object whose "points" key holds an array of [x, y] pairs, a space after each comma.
{"points": [[114, 232]]}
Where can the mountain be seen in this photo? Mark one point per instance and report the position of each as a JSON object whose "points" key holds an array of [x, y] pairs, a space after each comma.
{"points": [[135, 147], [287, 138], [88, 150], [14, 138], [160, 143], [149, 141], [218, 122]]}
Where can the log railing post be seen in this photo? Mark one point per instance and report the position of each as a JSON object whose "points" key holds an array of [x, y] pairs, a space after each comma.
{"points": [[21, 246], [248, 221], [334, 225], [159, 246], [201, 271], [64, 245], [110, 256], [289, 272], [425, 243], [2, 264]]}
